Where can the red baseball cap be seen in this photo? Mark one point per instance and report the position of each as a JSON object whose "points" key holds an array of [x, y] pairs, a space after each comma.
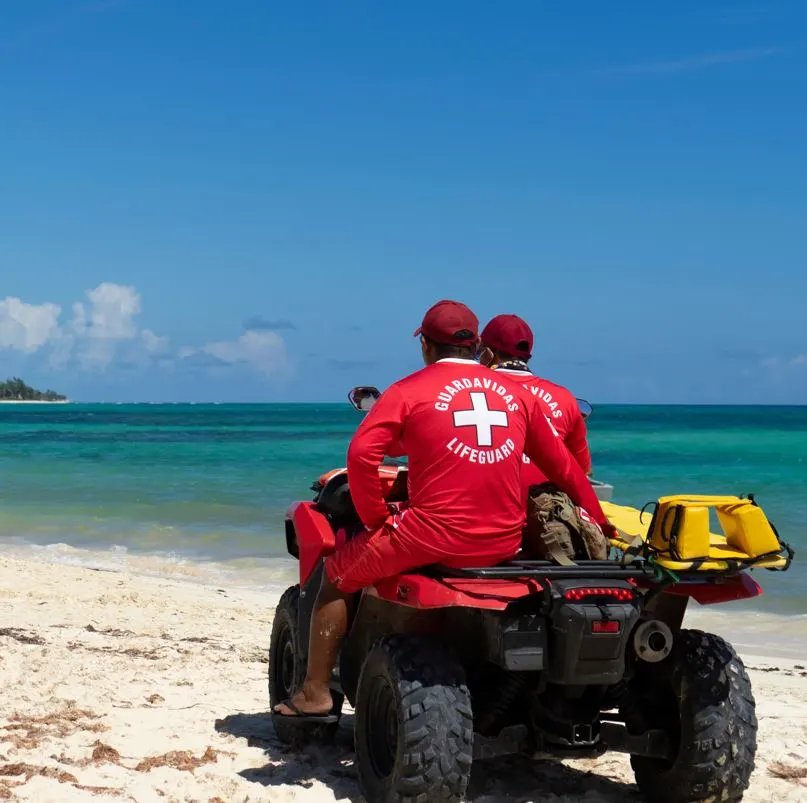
{"points": [[508, 335], [450, 323]]}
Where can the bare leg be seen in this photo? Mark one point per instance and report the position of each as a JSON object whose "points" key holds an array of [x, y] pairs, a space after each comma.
{"points": [[328, 627]]}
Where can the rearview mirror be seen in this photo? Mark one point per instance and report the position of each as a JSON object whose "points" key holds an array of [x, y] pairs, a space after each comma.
{"points": [[585, 408], [363, 398]]}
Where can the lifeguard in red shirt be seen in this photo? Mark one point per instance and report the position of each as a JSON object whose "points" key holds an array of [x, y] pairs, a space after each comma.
{"points": [[464, 429], [507, 343]]}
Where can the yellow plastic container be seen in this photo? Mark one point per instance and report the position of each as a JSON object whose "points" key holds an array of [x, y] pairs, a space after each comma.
{"points": [[747, 529], [749, 536], [680, 529]]}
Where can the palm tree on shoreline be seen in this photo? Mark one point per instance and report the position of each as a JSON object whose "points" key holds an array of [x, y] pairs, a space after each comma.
{"points": [[15, 389]]}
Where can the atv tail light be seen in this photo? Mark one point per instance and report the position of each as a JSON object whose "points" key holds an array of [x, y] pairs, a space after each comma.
{"points": [[616, 594], [605, 626]]}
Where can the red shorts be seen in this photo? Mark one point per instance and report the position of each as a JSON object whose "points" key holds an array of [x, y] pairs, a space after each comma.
{"points": [[373, 556], [404, 543]]}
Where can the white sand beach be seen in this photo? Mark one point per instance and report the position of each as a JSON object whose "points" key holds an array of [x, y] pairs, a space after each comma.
{"points": [[117, 686]]}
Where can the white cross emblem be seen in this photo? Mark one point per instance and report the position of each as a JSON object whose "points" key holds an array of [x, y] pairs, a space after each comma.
{"points": [[481, 417]]}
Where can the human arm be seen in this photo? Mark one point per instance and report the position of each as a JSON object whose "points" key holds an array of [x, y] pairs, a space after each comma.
{"points": [[395, 450], [555, 460], [576, 441], [377, 434]]}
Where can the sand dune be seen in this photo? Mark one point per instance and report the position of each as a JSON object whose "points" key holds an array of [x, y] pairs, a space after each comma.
{"points": [[122, 687]]}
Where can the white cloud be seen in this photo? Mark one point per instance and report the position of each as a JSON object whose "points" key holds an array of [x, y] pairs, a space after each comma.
{"points": [[104, 328], [783, 373], [154, 344], [264, 352], [108, 320], [692, 63], [112, 311], [776, 361], [27, 327], [92, 336]]}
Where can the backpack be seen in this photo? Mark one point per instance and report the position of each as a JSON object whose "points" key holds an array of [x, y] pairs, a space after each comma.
{"points": [[558, 530]]}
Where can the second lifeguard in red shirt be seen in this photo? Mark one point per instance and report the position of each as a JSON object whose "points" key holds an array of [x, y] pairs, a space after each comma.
{"points": [[507, 343]]}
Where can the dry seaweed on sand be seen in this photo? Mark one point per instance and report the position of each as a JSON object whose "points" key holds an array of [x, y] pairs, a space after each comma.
{"points": [[104, 753], [182, 760], [31, 770], [101, 754], [787, 772], [100, 790], [21, 635], [26, 732]]}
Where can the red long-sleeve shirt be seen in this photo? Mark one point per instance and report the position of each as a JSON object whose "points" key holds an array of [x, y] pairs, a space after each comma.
{"points": [[563, 413], [464, 428]]}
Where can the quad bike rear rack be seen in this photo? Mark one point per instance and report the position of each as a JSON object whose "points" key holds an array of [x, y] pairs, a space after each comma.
{"points": [[639, 568], [546, 570]]}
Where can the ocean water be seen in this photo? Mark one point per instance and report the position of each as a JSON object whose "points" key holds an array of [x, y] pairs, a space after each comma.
{"points": [[201, 490]]}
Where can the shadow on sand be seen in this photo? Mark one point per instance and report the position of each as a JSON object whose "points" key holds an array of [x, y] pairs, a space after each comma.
{"points": [[505, 780]]}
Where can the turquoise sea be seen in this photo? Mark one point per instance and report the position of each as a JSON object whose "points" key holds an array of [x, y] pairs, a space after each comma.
{"points": [[201, 489]]}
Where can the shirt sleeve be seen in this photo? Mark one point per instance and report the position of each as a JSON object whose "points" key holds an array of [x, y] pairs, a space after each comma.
{"points": [[554, 459], [395, 450], [380, 431], [577, 443]]}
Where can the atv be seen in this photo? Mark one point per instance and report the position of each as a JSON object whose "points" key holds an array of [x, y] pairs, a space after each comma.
{"points": [[447, 666]]}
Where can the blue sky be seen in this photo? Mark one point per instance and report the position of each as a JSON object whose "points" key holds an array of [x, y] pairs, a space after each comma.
{"points": [[257, 201]]}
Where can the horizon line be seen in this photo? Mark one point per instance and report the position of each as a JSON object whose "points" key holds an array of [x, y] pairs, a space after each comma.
{"points": [[187, 402]]}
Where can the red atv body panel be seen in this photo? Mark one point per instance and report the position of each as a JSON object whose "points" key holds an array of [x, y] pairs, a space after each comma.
{"points": [[418, 591], [315, 537], [726, 589]]}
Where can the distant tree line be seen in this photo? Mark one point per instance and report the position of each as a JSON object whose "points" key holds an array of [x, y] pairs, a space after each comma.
{"points": [[16, 390]]}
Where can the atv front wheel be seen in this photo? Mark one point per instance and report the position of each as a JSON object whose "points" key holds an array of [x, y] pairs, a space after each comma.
{"points": [[414, 725], [287, 672], [701, 695]]}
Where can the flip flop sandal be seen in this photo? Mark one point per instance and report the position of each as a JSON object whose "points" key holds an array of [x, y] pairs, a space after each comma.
{"points": [[304, 716]]}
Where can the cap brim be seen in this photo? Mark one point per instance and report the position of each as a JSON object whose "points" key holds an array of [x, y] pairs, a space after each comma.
{"points": [[417, 331]]}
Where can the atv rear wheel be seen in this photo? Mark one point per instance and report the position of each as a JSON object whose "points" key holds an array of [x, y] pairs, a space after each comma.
{"points": [[414, 725], [701, 695], [287, 672]]}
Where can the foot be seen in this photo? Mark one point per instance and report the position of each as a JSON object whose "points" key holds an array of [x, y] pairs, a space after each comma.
{"points": [[304, 704]]}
